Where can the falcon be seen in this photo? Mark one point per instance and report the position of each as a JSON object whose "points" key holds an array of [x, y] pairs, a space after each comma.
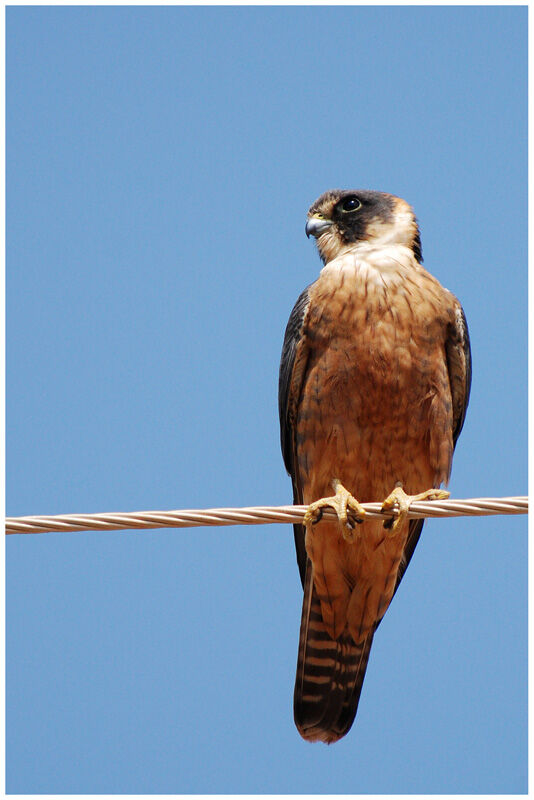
{"points": [[374, 384]]}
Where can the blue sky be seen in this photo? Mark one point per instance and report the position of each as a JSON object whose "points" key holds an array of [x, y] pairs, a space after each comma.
{"points": [[160, 163]]}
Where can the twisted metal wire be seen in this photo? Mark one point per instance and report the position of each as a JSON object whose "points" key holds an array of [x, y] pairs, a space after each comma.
{"points": [[257, 515]]}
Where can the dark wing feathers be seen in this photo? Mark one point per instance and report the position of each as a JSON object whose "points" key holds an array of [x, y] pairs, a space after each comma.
{"points": [[287, 402], [458, 350], [292, 369]]}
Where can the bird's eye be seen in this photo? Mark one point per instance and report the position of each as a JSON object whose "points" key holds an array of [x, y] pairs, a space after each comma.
{"points": [[351, 204]]}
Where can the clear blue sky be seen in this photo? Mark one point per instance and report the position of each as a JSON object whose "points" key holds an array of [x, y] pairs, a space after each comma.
{"points": [[160, 163]]}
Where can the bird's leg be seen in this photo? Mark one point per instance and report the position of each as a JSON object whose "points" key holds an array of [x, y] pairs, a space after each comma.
{"points": [[403, 501], [347, 508]]}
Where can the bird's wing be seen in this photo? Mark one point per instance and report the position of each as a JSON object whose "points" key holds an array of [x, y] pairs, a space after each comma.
{"points": [[292, 370], [458, 350], [458, 353]]}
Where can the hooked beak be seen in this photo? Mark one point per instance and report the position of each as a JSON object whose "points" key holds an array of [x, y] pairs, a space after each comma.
{"points": [[316, 225]]}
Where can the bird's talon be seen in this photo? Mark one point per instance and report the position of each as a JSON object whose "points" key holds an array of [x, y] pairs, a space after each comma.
{"points": [[399, 499], [313, 515], [348, 509]]}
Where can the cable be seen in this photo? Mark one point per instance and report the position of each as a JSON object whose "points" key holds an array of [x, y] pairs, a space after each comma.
{"points": [[257, 515]]}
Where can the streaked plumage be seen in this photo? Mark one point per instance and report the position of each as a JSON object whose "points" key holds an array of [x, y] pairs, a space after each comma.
{"points": [[374, 384]]}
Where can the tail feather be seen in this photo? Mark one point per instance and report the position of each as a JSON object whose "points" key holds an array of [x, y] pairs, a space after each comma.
{"points": [[330, 674]]}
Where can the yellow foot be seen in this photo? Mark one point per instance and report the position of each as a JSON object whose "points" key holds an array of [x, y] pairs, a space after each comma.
{"points": [[348, 510], [403, 501]]}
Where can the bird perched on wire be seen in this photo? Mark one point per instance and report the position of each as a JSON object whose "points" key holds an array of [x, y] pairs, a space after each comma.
{"points": [[374, 384]]}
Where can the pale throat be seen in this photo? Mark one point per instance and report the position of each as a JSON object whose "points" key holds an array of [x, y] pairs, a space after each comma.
{"points": [[387, 249], [379, 264]]}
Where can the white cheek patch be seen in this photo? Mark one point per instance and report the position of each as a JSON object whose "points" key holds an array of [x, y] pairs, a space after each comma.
{"points": [[400, 231]]}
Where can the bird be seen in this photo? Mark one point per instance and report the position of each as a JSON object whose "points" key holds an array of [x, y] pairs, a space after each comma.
{"points": [[374, 383]]}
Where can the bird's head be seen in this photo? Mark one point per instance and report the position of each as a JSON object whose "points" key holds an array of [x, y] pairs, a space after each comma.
{"points": [[342, 218]]}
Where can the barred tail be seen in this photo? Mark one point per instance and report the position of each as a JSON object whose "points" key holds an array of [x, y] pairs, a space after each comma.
{"points": [[330, 674]]}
